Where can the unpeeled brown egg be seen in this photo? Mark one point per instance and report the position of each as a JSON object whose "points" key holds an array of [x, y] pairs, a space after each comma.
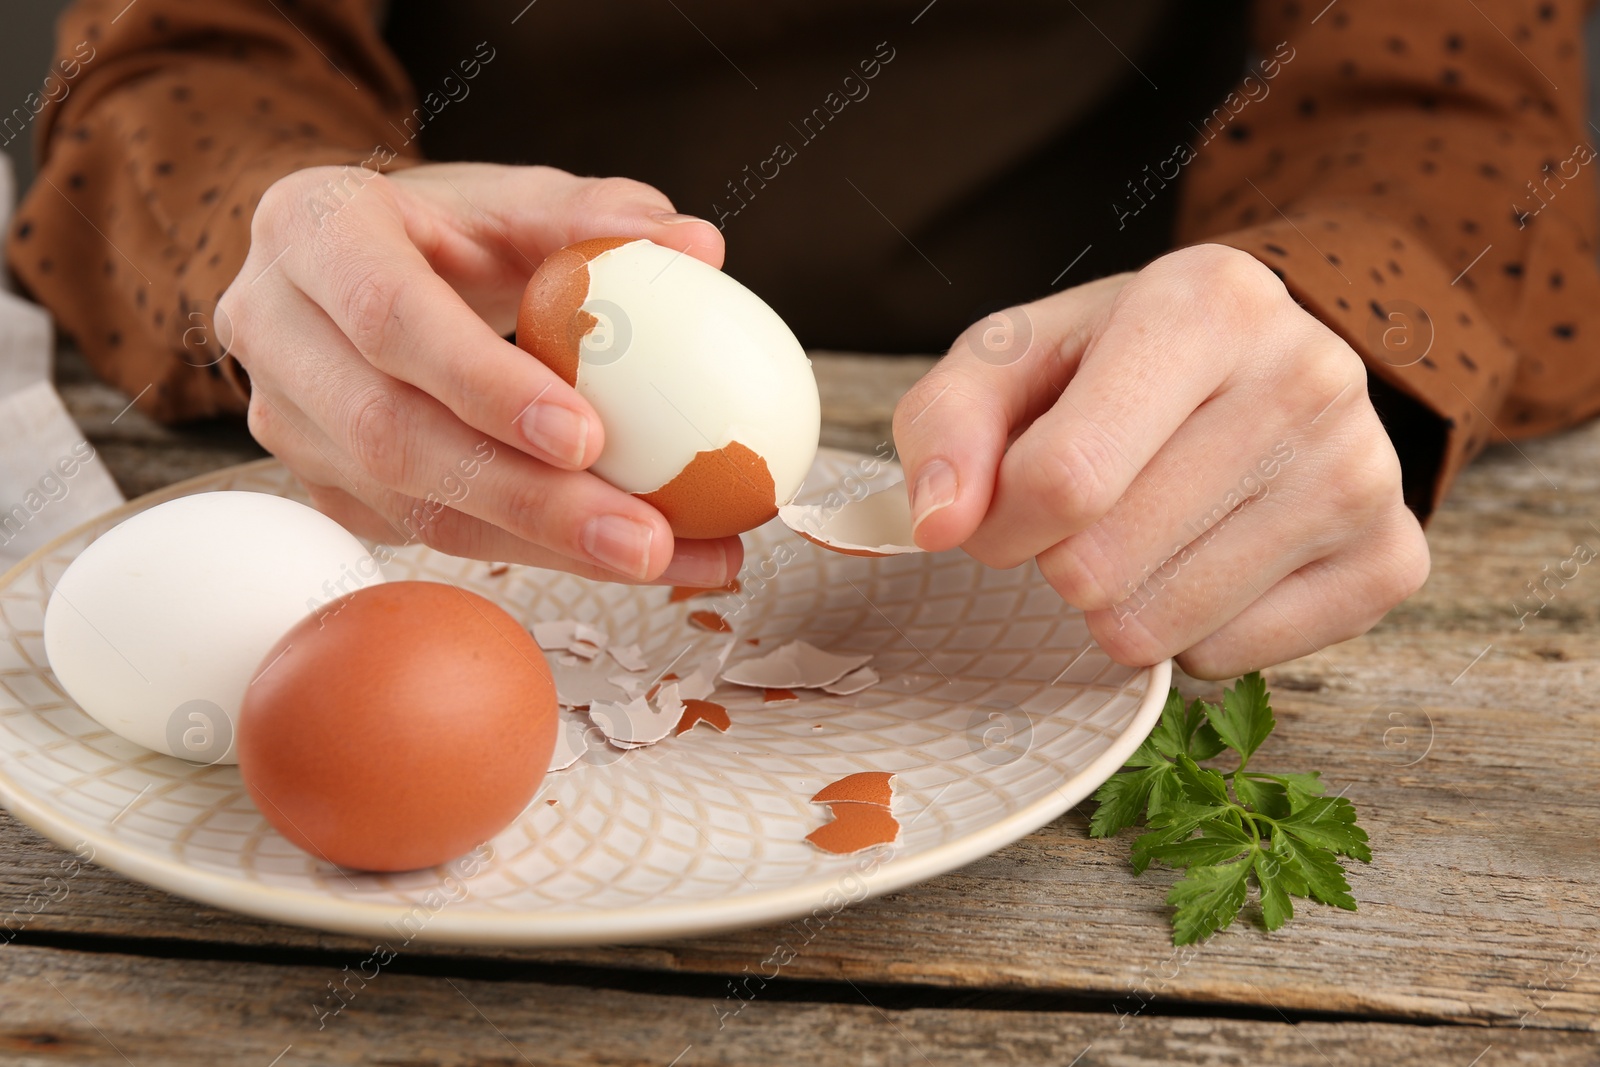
{"points": [[709, 404], [399, 727]]}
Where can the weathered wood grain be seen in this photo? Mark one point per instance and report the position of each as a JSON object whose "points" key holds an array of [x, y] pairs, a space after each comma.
{"points": [[96, 1008], [1476, 775]]}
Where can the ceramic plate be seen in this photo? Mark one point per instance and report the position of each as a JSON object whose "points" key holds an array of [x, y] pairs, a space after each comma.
{"points": [[996, 713]]}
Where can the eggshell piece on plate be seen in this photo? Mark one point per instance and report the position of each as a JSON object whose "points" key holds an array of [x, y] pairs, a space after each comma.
{"points": [[572, 742], [795, 665], [707, 400], [689, 592], [857, 680], [864, 787], [855, 827], [878, 524], [400, 730], [779, 696], [710, 620], [702, 680], [707, 711]]}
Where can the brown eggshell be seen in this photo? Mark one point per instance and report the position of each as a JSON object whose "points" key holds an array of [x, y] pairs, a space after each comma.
{"points": [[855, 827], [863, 787], [398, 727], [719, 494], [551, 322]]}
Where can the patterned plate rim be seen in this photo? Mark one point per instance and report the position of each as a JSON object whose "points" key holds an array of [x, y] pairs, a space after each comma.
{"points": [[454, 925]]}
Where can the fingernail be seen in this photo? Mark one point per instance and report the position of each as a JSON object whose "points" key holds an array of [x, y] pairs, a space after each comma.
{"points": [[619, 543], [557, 431], [697, 570], [935, 490], [673, 218]]}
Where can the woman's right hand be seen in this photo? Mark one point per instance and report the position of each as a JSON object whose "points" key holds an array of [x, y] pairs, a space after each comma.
{"points": [[370, 317]]}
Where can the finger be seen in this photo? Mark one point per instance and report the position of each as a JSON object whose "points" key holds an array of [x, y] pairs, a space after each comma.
{"points": [[453, 533], [1169, 344], [1332, 600], [402, 441], [1213, 463], [1328, 504], [951, 428], [532, 211], [364, 272]]}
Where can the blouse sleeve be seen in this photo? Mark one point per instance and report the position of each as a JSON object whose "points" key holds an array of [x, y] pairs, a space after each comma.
{"points": [[159, 127], [1418, 174]]}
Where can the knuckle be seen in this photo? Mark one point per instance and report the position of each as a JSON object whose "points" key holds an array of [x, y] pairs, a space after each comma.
{"points": [[1073, 482], [1220, 282], [1126, 636], [283, 205], [931, 389], [445, 530], [1333, 380], [367, 299], [261, 420], [606, 195], [1367, 481], [378, 436], [1067, 567], [1409, 563], [526, 512]]}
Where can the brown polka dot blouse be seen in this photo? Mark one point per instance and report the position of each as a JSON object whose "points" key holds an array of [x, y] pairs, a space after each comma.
{"points": [[1418, 172]]}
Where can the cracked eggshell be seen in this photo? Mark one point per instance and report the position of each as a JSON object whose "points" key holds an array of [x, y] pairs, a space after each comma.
{"points": [[878, 524], [708, 401]]}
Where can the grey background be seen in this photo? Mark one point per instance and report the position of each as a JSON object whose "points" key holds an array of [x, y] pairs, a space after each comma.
{"points": [[27, 33]]}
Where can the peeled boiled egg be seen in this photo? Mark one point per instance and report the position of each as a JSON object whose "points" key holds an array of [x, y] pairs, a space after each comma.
{"points": [[400, 728], [157, 628], [708, 401]]}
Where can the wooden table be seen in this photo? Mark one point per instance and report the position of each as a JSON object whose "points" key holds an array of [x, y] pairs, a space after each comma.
{"points": [[1470, 747]]}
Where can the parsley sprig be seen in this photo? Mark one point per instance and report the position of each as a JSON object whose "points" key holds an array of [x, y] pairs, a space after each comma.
{"points": [[1277, 830]]}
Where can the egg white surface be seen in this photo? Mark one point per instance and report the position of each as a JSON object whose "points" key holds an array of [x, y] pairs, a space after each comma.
{"points": [[685, 360]]}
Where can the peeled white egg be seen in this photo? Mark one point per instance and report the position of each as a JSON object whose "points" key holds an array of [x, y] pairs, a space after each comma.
{"points": [[708, 401], [158, 627]]}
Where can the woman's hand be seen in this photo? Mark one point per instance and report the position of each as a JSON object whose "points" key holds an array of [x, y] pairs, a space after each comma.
{"points": [[1191, 458], [369, 316]]}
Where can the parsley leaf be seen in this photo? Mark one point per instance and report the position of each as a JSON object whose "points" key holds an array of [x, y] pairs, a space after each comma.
{"points": [[1245, 718], [1229, 830], [1207, 899]]}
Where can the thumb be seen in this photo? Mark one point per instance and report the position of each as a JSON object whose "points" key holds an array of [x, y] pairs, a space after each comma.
{"points": [[952, 429]]}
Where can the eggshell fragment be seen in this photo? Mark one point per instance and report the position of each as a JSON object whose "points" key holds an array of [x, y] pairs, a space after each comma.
{"points": [[689, 592], [857, 680], [864, 787], [861, 816], [795, 665], [710, 620], [708, 402], [779, 696], [570, 635], [878, 524], [637, 723], [855, 827], [628, 657], [571, 742], [702, 681], [698, 711]]}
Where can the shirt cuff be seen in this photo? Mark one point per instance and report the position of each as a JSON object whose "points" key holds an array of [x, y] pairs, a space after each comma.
{"points": [[1439, 372]]}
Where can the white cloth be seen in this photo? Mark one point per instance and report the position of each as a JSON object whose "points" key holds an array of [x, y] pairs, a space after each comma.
{"points": [[51, 478]]}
